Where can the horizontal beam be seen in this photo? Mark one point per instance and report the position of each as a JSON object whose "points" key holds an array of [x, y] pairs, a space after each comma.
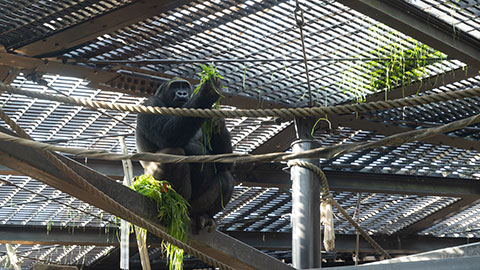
{"points": [[106, 23], [395, 245], [465, 263], [466, 250], [439, 216], [41, 235], [275, 175], [216, 244], [361, 123], [422, 26], [31, 235]]}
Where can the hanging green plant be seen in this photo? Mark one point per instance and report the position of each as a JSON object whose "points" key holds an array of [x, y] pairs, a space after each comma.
{"points": [[400, 62], [172, 212], [208, 75]]}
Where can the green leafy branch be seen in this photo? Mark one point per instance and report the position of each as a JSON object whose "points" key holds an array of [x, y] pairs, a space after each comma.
{"points": [[172, 212]]}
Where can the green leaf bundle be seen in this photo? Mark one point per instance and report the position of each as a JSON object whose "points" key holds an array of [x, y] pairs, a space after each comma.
{"points": [[172, 212]]}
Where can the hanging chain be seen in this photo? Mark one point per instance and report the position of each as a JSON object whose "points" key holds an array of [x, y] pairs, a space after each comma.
{"points": [[300, 20]]}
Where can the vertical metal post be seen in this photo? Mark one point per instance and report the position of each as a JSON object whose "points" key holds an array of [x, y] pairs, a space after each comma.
{"points": [[140, 233], [306, 230]]}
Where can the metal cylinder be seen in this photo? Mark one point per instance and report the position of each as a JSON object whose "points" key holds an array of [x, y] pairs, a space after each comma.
{"points": [[306, 230]]}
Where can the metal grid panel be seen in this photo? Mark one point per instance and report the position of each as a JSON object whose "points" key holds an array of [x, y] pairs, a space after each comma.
{"points": [[268, 210], [462, 15], [23, 22], [439, 113], [263, 29], [27, 201], [463, 224], [52, 121], [54, 254], [237, 29]]}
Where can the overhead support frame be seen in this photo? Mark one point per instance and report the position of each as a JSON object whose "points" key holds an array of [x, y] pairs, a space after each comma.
{"points": [[422, 26], [216, 245]]}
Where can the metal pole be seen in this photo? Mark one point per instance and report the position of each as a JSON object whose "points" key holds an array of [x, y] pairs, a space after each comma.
{"points": [[306, 232]]}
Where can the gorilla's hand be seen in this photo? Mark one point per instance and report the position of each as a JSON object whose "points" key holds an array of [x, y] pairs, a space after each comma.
{"points": [[212, 88], [217, 124]]}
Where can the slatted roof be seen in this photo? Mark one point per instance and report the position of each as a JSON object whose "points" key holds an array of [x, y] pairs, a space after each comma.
{"points": [[344, 49]]}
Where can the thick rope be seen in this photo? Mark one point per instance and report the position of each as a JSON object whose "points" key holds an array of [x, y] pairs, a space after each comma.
{"points": [[286, 113], [328, 196], [327, 152], [124, 212]]}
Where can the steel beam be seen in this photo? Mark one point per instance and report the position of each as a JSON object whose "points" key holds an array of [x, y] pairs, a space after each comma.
{"points": [[426, 84], [466, 263], [395, 245], [216, 245], [362, 123], [275, 175], [444, 253], [89, 30], [439, 215], [423, 27]]}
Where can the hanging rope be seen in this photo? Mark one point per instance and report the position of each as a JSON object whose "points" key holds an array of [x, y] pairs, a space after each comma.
{"points": [[285, 113], [327, 195], [118, 208]]}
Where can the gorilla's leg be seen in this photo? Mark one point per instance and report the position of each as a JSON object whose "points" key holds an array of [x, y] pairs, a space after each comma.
{"points": [[177, 174], [212, 200]]}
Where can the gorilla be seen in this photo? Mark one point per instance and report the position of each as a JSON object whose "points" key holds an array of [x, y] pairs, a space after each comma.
{"points": [[207, 187]]}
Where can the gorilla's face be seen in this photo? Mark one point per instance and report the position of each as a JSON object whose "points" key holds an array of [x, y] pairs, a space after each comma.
{"points": [[175, 92]]}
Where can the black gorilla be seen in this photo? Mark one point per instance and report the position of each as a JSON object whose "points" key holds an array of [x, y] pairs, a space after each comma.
{"points": [[207, 187]]}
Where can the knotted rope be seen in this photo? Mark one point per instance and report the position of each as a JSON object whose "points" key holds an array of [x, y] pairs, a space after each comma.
{"points": [[327, 196]]}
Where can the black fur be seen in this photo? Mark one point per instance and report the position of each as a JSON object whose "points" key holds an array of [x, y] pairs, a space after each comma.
{"points": [[207, 187]]}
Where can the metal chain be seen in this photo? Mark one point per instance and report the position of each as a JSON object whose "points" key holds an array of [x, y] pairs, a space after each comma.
{"points": [[300, 20]]}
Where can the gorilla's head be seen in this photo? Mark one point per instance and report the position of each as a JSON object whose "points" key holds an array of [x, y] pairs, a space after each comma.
{"points": [[175, 92]]}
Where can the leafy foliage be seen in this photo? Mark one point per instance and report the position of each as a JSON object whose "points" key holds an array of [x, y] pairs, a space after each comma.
{"points": [[172, 212], [207, 75], [401, 61]]}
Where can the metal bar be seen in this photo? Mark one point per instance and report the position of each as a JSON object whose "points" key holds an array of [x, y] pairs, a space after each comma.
{"points": [[361, 123], [306, 232], [217, 245], [444, 253], [394, 244], [438, 216], [100, 25], [249, 60], [466, 263], [426, 84], [421, 26], [274, 175]]}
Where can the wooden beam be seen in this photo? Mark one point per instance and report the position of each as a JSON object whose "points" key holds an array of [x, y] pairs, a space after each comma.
{"points": [[216, 245], [89, 30]]}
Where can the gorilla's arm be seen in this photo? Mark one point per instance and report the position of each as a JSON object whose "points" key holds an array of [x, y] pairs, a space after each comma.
{"points": [[221, 142]]}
